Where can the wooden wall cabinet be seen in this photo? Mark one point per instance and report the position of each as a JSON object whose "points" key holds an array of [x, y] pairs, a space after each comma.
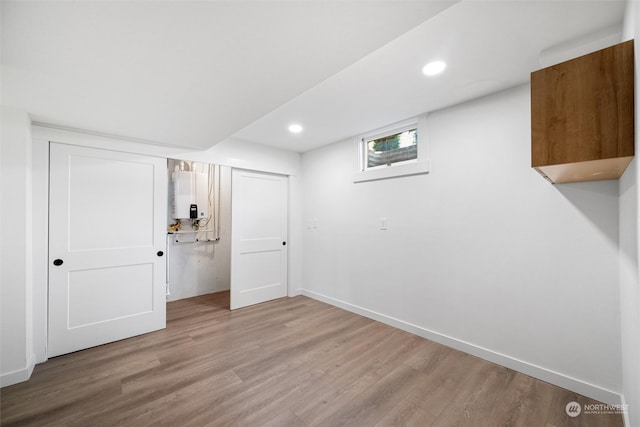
{"points": [[582, 116]]}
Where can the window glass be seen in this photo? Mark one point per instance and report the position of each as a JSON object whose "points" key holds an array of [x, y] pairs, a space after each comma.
{"points": [[388, 149]]}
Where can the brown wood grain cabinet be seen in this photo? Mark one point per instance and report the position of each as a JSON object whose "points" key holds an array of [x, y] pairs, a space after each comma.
{"points": [[582, 116]]}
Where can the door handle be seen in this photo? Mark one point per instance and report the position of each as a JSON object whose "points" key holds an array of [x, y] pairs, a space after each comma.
{"points": [[57, 262], [159, 253], [284, 243]]}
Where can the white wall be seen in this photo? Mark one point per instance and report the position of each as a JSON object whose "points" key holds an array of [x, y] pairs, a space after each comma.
{"points": [[629, 256], [482, 254], [629, 291], [16, 324], [246, 155]]}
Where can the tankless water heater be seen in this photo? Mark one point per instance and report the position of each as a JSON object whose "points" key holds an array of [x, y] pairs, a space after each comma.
{"points": [[189, 188]]}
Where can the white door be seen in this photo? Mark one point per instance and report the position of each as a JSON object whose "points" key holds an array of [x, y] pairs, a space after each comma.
{"points": [[258, 237], [107, 219]]}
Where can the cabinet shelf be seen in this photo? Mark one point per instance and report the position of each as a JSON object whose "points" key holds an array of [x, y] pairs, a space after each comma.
{"points": [[582, 116]]}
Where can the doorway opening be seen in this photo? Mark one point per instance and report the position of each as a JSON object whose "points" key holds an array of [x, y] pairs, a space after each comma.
{"points": [[198, 229], [226, 233]]}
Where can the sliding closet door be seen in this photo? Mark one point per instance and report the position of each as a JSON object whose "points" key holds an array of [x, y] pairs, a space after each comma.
{"points": [[107, 219], [258, 237]]}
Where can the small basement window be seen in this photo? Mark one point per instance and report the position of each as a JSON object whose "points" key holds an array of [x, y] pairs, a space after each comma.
{"points": [[388, 149], [397, 150]]}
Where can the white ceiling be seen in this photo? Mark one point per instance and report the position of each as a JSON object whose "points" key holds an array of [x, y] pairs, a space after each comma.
{"points": [[194, 73], [488, 46], [185, 73]]}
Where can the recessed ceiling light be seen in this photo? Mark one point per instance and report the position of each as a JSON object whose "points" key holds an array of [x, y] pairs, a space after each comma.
{"points": [[295, 128], [433, 68]]}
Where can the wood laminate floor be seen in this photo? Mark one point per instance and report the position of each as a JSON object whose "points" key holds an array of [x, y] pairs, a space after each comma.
{"points": [[289, 362]]}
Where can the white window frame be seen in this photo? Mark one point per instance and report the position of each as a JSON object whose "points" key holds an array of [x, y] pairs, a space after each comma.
{"points": [[417, 166]]}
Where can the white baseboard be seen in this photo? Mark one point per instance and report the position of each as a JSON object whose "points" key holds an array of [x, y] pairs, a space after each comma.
{"points": [[20, 375], [556, 378]]}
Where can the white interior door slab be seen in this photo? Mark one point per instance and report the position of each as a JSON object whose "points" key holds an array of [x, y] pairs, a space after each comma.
{"points": [[107, 219], [258, 237]]}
